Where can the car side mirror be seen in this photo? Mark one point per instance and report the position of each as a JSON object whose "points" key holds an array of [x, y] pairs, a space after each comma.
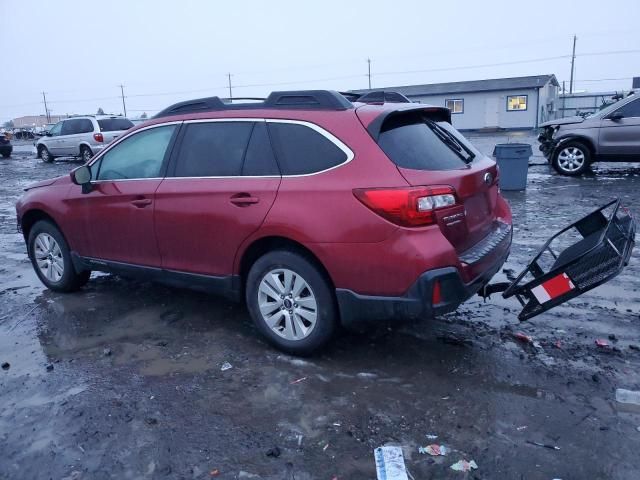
{"points": [[615, 116], [82, 176]]}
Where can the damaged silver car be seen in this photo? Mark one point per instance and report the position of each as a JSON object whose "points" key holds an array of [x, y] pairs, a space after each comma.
{"points": [[572, 144]]}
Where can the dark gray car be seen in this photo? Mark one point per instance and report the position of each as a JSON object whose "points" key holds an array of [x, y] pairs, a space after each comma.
{"points": [[611, 135]]}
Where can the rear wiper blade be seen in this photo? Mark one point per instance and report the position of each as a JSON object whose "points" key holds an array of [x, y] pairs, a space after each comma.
{"points": [[451, 141]]}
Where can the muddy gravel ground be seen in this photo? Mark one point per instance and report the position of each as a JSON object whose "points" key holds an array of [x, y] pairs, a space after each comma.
{"points": [[124, 380]]}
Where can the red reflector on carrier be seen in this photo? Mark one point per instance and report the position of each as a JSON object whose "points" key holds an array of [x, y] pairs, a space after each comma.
{"points": [[552, 288]]}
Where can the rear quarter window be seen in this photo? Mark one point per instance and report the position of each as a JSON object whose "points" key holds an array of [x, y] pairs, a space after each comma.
{"points": [[410, 143], [114, 124], [302, 150]]}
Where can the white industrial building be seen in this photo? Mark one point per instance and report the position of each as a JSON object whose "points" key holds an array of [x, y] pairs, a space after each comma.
{"points": [[500, 103]]}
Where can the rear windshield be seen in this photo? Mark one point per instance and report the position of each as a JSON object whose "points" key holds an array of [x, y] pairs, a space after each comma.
{"points": [[414, 141], [114, 124]]}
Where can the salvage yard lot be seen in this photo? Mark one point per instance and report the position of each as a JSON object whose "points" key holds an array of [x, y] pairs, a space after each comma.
{"points": [[124, 379]]}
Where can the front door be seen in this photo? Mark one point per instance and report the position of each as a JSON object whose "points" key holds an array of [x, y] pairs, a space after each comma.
{"points": [[218, 190], [52, 141], [621, 136], [118, 212]]}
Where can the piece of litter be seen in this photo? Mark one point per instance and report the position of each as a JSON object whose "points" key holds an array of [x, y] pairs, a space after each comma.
{"points": [[464, 466], [558, 344], [545, 445], [226, 366], [390, 463], [638, 429], [628, 396], [523, 337], [80, 447], [298, 380], [325, 447], [434, 450], [602, 343], [431, 436], [445, 398], [336, 424], [521, 428], [214, 473], [300, 437]]}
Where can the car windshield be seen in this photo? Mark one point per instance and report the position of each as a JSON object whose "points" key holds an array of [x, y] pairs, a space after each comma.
{"points": [[114, 124]]}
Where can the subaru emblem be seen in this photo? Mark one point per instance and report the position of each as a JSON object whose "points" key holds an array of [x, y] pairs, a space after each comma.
{"points": [[488, 178]]}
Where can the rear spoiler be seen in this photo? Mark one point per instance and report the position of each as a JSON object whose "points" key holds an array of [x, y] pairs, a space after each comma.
{"points": [[439, 114]]}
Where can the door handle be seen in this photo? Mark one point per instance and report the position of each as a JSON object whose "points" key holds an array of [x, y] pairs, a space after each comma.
{"points": [[141, 202], [243, 199]]}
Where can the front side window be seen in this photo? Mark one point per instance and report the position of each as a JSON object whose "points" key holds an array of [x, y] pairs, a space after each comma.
{"points": [[215, 149], [302, 150], [456, 105], [631, 109], [516, 103], [139, 156]]}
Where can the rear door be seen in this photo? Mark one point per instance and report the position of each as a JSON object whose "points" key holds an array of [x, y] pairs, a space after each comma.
{"points": [[68, 141], [221, 185], [426, 156], [622, 136], [111, 128]]}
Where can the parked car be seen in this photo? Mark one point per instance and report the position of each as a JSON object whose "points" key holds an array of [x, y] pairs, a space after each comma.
{"points": [[5, 145], [314, 210], [80, 136], [572, 144]]}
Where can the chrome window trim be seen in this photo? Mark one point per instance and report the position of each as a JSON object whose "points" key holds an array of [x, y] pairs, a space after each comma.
{"points": [[328, 135]]}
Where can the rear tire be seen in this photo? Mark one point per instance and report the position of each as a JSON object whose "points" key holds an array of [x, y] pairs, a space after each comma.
{"points": [[51, 259], [44, 154], [291, 302], [572, 158], [85, 153]]}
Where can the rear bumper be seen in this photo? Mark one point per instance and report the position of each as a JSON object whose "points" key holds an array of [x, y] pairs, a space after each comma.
{"points": [[417, 302]]}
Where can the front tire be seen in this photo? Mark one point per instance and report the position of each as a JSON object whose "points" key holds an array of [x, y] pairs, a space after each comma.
{"points": [[43, 153], [291, 302], [51, 259], [572, 159]]}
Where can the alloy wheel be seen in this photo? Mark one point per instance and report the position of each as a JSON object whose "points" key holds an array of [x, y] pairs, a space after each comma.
{"points": [[49, 257], [287, 304], [571, 159]]}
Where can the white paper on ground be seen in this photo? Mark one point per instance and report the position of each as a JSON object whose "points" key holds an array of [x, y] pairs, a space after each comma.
{"points": [[390, 463]]}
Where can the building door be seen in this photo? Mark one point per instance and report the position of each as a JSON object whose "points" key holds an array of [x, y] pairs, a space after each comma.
{"points": [[491, 118]]}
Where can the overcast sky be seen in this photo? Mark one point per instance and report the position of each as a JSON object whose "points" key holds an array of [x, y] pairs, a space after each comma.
{"points": [[79, 52]]}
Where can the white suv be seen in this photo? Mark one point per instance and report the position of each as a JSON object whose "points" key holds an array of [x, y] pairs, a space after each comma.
{"points": [[81, 136]]}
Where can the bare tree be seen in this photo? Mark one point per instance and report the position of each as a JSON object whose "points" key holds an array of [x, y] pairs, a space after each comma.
{"points": [[100, 111]]}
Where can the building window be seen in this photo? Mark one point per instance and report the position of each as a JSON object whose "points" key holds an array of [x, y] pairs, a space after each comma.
{"points": [[456, 105], [516, 103]]}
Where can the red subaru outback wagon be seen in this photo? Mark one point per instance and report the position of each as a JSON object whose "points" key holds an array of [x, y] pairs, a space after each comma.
{"points": [[318, 211]]}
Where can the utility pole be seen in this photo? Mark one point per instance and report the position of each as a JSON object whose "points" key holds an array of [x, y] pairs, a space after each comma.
{"points": [[573, 61], [369, 71], [46, 110], [124, 106], [230, 92]]}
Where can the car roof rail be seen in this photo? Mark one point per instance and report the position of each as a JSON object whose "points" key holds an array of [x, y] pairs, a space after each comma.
{"points": [[286, 100], [383, 96]]}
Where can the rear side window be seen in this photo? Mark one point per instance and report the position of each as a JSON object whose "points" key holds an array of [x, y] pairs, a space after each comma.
{"points": [[114, 124], [410, 143], [302, 150], [215, 149]]}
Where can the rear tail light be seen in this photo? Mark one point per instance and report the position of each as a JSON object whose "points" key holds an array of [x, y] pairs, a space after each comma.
{"points": [[98, 137], [408, 206]]}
